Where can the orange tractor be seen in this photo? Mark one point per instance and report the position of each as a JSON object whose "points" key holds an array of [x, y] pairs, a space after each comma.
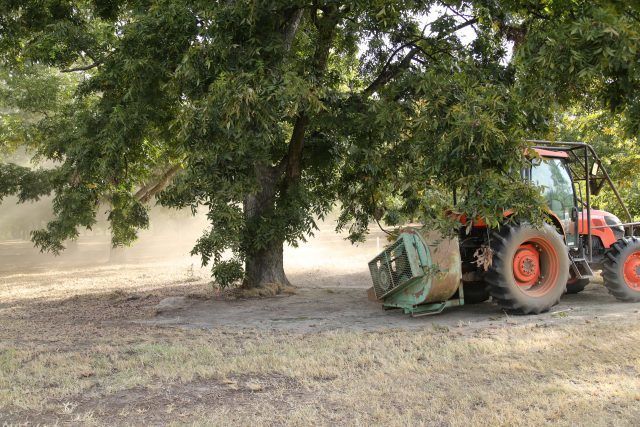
{"points": [[522, 268]]}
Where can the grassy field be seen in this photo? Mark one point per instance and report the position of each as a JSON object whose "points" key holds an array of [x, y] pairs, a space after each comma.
{"points": [[72, 350]]}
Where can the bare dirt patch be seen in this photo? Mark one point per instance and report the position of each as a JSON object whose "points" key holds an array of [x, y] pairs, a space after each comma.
{"points": [[325, 309]]}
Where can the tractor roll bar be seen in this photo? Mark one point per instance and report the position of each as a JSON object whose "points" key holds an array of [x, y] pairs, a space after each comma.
{"points": [[553, 145], [589, 152]]}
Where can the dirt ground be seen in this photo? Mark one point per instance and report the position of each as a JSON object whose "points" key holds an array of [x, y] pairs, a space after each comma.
{"points": [[81, 343]]}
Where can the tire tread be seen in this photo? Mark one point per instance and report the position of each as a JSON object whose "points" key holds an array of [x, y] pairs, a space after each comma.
{"points": [[497, 286], [613, 280]]}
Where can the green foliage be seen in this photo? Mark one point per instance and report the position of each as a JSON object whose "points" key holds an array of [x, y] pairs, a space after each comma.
{"points": [[586, 51], [24, 182], [72, 209], [267, 113], [27, 94], [464, 131], [127, 216]]}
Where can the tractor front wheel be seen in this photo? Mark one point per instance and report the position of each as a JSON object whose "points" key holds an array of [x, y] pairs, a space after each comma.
{"points": [[530, 268], [621, 269]]}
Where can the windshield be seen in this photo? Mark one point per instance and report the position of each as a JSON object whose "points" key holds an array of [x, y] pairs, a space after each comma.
{"points": [[557, 189]]}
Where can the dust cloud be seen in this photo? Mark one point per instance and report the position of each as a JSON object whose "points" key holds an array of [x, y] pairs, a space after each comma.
{"points": [[171, 236], [169, 240]]}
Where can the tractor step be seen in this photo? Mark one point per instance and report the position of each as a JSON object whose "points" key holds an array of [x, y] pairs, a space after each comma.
{"points": [[581, 268]]}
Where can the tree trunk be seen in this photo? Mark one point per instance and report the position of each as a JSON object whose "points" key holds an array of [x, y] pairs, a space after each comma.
{"points": [[264, 267]]}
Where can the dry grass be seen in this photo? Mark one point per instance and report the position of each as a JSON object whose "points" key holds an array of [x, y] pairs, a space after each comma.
{"points": [[73, 357]]}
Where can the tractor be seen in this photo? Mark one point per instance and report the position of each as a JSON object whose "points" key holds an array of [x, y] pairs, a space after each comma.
{"points": [[524, 269]]}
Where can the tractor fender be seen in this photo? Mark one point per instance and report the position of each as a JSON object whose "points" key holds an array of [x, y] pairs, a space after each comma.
{"points": [[555, 221]]}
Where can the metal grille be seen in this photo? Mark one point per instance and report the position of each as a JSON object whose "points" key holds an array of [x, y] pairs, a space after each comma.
{"points": [[390, 269]]}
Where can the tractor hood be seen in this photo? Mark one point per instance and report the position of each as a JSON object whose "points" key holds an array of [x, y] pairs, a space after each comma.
{"points": [[599, 219]]}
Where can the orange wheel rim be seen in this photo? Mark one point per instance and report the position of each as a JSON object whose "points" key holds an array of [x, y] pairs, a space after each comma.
{"points": [[536, 267], [526, 265], [631, 270]]}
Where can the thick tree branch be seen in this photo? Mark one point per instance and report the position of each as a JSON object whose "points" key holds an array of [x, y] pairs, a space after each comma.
{"points": [[292, 29], [296, 144], [148, 191], [389, 73], [391, 70], [82, 68], [292, 162]]}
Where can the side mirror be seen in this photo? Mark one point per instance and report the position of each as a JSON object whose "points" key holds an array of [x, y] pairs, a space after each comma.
{"points": [[595, 185]]}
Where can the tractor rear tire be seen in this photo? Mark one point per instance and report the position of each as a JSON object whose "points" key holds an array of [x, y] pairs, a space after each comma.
{"points": [[575, 286], [530, 268], [475, 293], [621, 269]]}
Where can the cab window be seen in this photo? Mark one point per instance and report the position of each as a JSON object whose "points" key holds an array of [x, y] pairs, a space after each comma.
{"points": [[557, 188]]}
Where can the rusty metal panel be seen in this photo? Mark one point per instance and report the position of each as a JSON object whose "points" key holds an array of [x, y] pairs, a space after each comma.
{"points": [[446, 266]]}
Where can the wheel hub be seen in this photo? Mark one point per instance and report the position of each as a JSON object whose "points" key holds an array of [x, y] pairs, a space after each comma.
{"points": [[631, 270], [526, 265]]}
